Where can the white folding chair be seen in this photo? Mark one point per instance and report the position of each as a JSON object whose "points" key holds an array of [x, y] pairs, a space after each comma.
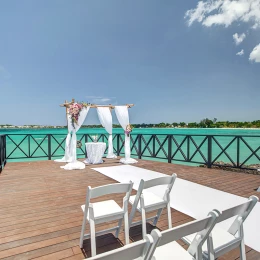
{"points": [[105, 211], [165, 246], [145, 201], [222, 241], [137, 250]]}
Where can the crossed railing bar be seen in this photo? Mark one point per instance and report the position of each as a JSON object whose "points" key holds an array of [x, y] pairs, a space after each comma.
{"points": [[161, 146], [171, 147], [223, 150], [254, 152], [197, 149]]}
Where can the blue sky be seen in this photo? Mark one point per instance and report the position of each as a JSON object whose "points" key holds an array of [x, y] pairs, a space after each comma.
{"points": [[173, 64]]}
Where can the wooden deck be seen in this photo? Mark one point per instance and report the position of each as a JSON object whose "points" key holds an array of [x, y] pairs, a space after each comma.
{"points": [[40, 214]]}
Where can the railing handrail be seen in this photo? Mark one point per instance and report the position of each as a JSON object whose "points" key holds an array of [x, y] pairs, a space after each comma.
{"points": [[224, 135]]}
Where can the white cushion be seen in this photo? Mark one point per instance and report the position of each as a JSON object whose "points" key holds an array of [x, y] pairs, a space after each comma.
{"points": [[149, 200], [171, 251], [104, 209], [219, 237]]}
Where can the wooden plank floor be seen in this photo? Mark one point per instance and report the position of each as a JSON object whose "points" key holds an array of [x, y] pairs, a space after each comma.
{"points": [[40, 214]]}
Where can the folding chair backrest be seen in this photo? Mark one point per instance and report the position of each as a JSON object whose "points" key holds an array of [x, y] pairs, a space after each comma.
{"points": [[189, 228], [167, 180], [136, 250], [202, 226], [241, 211], [110, 189]]}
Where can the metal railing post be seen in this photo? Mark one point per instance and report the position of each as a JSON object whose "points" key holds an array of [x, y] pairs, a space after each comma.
{"points": [[153, 145], [209, 163], [238, 151], [5, 150], [117, 145], [139, 146], [49, 146], [1, 152], [86, 140], [169, 148], [188, 148], [29, 145]]}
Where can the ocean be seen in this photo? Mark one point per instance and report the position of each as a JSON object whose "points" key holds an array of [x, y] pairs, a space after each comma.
{"points": [[251, 139]]}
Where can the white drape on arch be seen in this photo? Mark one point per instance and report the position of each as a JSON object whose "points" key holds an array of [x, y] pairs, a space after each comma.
{"points": [[105, 119], [123, 118], [71, 143]]}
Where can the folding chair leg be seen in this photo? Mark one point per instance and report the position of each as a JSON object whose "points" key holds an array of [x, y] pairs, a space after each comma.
{"points": [[126, 228], [169, 215], [242, 250], [132, 214], [82, 232], [211, 254], [143, 215], [159, 212], [143, 223], [119, 226], [92, 237]]}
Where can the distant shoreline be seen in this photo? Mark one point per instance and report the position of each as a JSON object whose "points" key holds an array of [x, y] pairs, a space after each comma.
{"points": [[176, 128], [203, 124]]}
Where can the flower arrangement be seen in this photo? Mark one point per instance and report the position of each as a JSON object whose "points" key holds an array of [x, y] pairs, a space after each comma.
{"points": [[128, 130], [74, 111], [79, 144]]}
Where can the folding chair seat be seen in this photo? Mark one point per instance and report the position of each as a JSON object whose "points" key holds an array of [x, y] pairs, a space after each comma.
{"points": [[145, 201], [150, 201], [165, 246], [222, 241], [105, 211], [135, 251]]}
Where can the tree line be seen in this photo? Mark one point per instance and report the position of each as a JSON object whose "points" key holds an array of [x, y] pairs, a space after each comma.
{"points": [[204, 123]]}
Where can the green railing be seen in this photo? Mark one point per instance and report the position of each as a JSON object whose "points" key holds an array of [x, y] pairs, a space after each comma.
{"points": [[228, 150]]}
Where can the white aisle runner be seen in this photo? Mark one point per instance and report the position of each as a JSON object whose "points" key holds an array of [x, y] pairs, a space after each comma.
{"points": [[190, 198]]}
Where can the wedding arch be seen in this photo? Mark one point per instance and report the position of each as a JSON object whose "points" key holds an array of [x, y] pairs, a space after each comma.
{"points": [[76, 114]]}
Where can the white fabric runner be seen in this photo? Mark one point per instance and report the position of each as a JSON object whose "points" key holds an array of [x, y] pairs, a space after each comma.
{"points": [[105, 119], [67, 157], [71, 143], [95, 152], [190, 198], [123, 118]]}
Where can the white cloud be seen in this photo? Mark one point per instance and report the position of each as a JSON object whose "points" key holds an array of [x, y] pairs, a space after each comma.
{"points": [[4, 73], [238, 38], [255, 54], [240, 53], [99, 99], [225, 12], [104, 99]]}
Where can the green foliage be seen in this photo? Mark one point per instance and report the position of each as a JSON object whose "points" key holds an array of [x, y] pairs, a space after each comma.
{"points": [[193, 125], [204, 123]]}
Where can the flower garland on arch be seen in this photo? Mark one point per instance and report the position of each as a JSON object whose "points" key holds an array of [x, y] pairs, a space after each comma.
{"points": [[128, 130], [74, 111]]}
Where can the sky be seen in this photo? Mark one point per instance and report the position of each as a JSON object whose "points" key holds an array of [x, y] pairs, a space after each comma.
{"points": [[175, 60]]}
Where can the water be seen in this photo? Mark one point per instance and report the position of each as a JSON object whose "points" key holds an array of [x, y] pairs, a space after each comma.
{"points": [[30, 145], [190, 131]]}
